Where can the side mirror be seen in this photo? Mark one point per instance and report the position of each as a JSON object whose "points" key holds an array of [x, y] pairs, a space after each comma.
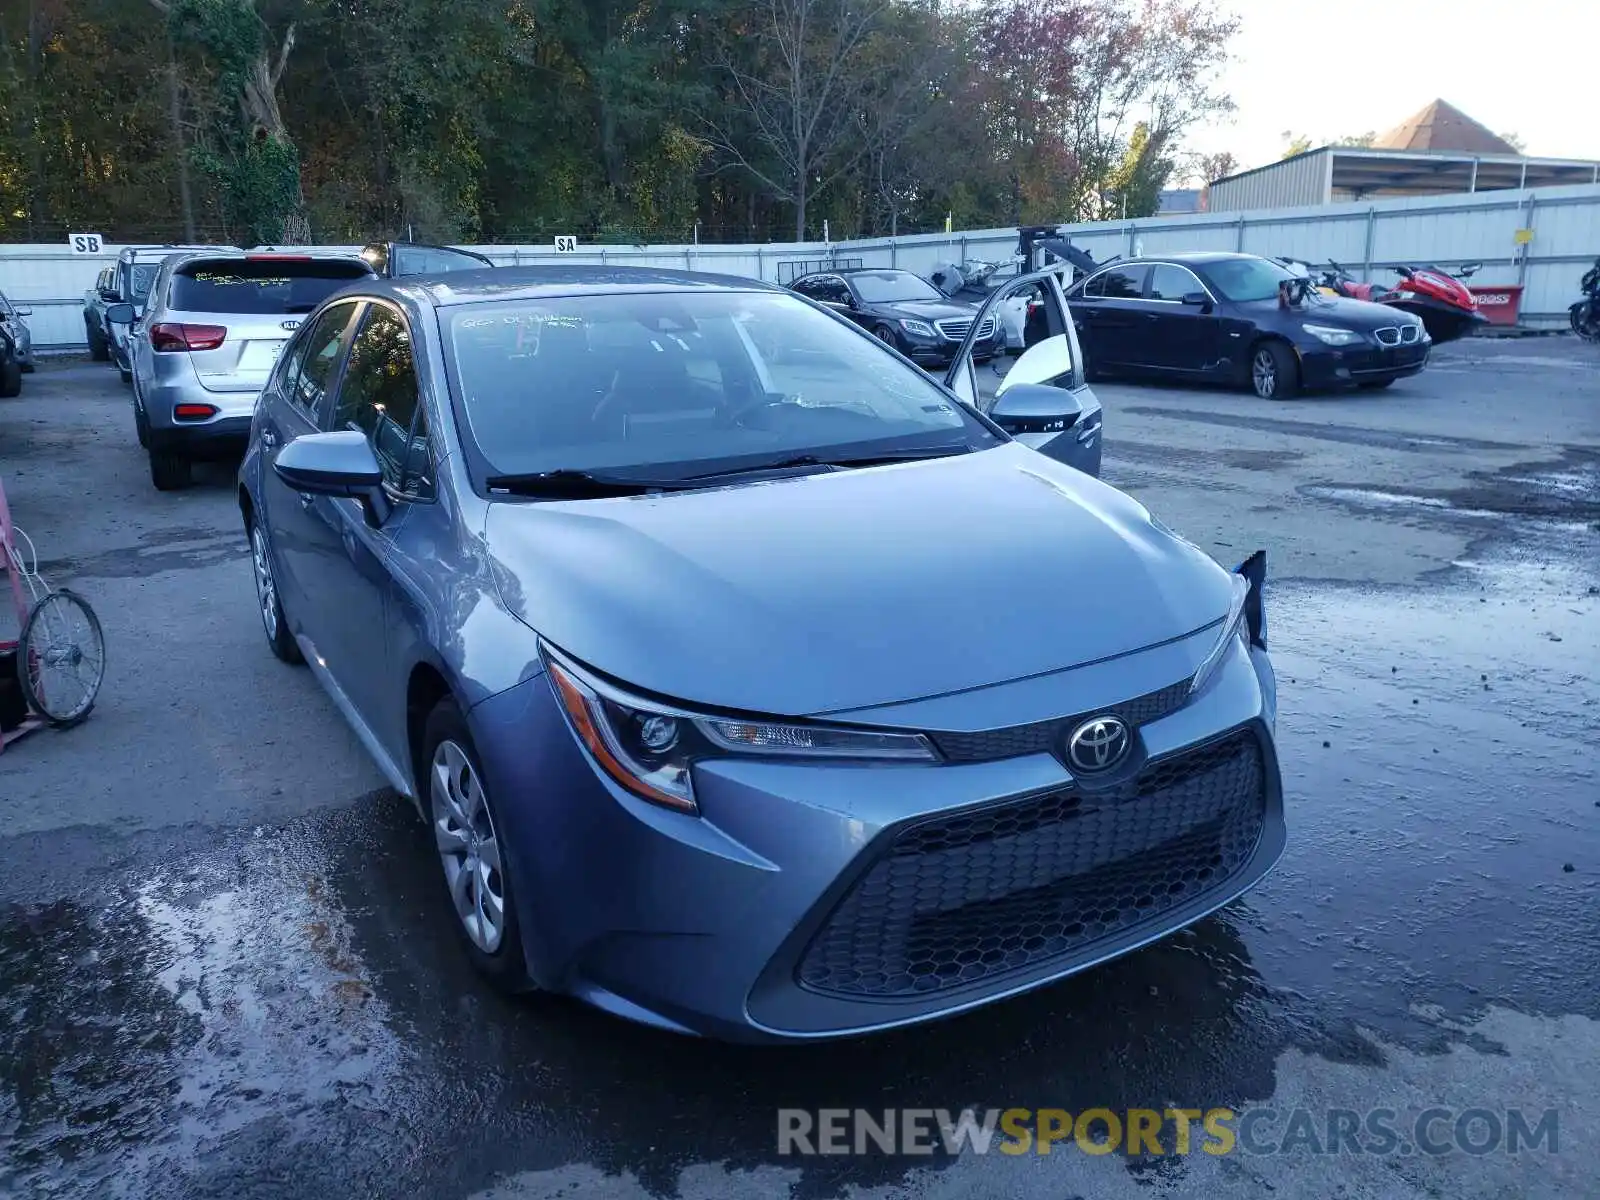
{"points": [[23, 312], [120, 314], [1197, 300], [335, 464], [1036, 408], [1058, 423]]}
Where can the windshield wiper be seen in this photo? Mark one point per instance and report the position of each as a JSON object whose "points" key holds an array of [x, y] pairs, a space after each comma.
{"points": [[834, 462], [567, 482]]}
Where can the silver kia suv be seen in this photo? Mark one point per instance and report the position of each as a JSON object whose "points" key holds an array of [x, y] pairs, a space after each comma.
{"points": [[206, 343]]}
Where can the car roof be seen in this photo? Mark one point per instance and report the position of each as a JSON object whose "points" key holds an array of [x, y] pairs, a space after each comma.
{"points": [[1187, 258], [531, 283], [134, 253]]}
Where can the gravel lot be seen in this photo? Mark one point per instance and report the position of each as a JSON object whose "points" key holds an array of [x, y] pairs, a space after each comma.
{"points": [[226, 968]]}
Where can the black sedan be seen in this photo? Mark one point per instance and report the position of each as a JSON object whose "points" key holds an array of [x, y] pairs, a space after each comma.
{"points": [[1236, 318], [904, 310]]}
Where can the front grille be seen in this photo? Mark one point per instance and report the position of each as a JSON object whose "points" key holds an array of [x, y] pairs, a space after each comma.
{"points": [[1044, 737], [1398, 335], [964, 899], [955, 328]]}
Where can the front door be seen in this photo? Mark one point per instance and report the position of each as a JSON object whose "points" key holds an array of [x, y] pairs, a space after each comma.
{"points": [[1188, 336], [291, 406], [346, 581]]}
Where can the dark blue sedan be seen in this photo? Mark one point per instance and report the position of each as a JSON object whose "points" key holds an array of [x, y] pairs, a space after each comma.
{"points": [[753, 684]]}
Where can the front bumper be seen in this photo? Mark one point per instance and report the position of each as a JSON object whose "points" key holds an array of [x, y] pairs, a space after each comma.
{"points": [[1347, 366], [824, 901], [940, 351]]}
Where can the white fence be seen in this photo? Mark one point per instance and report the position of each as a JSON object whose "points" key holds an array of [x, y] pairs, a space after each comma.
{"points": [[1367, 237]]}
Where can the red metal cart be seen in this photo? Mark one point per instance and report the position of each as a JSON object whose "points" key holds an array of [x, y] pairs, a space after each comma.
{"points": [[51, 673]]}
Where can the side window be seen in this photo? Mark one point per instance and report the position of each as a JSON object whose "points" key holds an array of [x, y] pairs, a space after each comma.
{"points": [[836, 292], [1119, 283], [378, 394], [310, 366], [806, 287], [1170, 282]]}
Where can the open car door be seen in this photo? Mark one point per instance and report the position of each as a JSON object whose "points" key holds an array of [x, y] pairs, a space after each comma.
{"points": [[1039, 397], [394, 259]]}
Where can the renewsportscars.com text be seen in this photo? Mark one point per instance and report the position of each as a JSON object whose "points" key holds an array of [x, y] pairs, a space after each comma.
{"points": [[1162, 1132]]}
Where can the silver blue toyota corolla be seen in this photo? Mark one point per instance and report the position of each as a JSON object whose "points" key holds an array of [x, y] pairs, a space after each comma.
{"points": [[752, 683]]}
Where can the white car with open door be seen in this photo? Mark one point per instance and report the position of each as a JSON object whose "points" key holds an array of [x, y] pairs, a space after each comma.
{"points": [[1040, 397]]}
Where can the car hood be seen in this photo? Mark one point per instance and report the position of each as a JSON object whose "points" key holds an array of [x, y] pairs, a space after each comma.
{"points": [[842, 590], [1361, 315], [925, 310]]}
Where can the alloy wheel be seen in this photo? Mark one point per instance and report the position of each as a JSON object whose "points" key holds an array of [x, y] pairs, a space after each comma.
{"points": [[266, 587], [1264, 373], [469, 850]]}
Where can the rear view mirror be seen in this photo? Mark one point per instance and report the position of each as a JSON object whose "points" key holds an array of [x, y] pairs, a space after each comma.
{"points": [[335, 464], [1197, 300], [120, 314]]}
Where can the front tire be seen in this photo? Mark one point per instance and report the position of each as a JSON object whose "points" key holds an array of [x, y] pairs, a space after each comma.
{"points": [[1274, 372], [468, 836], [99, 349], [887, 335], [268, 602]]}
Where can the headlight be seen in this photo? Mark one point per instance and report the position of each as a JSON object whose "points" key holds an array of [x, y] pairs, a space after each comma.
{"points": [[920, 328], [649, 747], [1232, 628], [1332, 336], [1246, 619]]}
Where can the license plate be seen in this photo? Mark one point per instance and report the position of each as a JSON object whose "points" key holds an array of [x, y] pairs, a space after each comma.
{"points": [[259, 356]]}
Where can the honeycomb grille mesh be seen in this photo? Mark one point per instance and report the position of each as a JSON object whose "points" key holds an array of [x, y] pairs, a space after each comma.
{"points": [[961, 900], [1043, 737]]}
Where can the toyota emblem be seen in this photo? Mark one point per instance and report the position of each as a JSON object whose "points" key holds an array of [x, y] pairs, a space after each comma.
{"points": [[1098, 745]]}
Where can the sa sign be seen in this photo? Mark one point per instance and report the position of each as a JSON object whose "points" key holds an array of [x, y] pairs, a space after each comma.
{"points": [[566, 245], [85, 243]]}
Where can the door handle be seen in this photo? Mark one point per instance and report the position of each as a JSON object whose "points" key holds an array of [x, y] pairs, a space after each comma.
{"points": [[269, 439], [306, 499]]}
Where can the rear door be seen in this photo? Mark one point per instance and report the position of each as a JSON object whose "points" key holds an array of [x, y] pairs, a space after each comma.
{"points": [[238, 311], [1111, 320]]}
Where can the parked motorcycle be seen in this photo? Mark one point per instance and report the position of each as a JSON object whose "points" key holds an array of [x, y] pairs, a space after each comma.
{"points": [[1446, 307], [1585, 314]]}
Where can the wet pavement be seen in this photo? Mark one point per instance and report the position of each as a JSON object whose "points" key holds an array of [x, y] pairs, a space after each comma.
{"points": [[227, 968]]}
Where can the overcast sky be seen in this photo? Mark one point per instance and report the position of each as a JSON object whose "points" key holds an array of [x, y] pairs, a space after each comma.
{"points": [[1341, 68]]}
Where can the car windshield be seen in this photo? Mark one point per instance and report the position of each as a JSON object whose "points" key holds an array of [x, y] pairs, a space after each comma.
{"points": [[881, 287], [1244, 279], [258, 286], [667, 385]]}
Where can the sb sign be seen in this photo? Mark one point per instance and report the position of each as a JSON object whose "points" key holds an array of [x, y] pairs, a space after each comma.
{"points": [[566, 245], [85, 243]]}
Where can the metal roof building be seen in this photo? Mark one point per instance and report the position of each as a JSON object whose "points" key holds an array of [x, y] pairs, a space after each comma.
{"points": [[1437, 151]]}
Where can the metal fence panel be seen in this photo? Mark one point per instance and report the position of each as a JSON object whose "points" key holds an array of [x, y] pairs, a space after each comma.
{"points": [[1368, 237]]}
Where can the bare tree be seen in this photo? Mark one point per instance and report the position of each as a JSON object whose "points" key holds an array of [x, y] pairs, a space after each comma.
{"points": [[796, 78]]}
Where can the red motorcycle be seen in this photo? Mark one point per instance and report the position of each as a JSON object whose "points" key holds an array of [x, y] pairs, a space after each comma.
{"points": [[1444, 305]]}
